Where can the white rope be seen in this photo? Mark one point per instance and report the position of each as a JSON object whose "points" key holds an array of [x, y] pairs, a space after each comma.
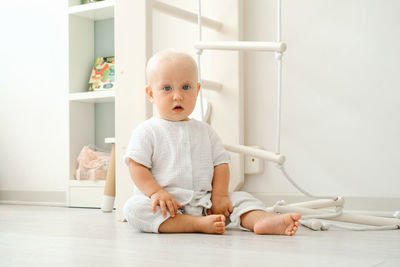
{"points": [[278, 56], [199, 52], [279, 21], [282, 168], [278, 119]]}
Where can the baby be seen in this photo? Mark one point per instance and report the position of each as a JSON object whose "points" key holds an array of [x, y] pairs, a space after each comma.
{"points": [[180, 167]]}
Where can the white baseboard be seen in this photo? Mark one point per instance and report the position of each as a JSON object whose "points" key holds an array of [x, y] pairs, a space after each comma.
{"points": [[27, 197], [379, 206]]}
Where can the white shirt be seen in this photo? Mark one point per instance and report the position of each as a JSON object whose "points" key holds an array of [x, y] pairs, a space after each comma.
{"points": [[180, 155]]}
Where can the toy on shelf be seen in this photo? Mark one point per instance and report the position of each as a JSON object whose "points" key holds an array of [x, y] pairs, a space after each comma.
{"points": [[103, 74]]}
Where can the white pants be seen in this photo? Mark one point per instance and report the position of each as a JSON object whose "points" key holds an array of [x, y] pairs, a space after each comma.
{"points": [[137, 210]]}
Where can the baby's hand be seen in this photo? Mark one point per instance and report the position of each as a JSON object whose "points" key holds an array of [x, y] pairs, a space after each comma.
{"points": [[221, 205], [166, 201]]}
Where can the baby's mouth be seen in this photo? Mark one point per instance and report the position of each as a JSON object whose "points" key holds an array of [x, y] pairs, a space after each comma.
{"points": [[178, 108]]}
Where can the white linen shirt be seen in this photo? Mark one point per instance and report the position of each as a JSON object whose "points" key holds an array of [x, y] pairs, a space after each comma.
{"points": [[180, 155]]}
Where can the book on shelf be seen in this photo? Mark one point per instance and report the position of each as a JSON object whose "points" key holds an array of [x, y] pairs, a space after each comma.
{"points": [[103, 74]]}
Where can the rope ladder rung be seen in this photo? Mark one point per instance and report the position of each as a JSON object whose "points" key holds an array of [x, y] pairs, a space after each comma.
{"points": [[255, 152], [211, 85], [242, 45]]}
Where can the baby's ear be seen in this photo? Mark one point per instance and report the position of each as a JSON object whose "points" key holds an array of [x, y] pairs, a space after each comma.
{"points": [[198, 87], [149, 93]]}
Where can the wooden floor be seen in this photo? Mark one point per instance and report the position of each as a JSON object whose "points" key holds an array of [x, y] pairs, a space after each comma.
{"points": [[57, 236]]}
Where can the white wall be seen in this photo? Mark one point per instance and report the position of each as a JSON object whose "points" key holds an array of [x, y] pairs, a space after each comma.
{"points": [[340, 113], [33, 96]]}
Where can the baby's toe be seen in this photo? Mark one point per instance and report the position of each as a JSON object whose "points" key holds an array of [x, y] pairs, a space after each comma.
{"points": [[220, 230], [295, 216]]}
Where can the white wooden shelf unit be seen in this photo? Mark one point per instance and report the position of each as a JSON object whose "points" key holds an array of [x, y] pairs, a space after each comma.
{"points": [[84, 120]]}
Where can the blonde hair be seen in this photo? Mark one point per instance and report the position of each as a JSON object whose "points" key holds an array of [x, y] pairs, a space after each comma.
{"points": [[168, 55]]}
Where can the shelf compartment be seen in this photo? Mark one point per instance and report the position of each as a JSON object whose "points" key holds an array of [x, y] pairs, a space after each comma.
{"points": [[93, 97], [94, 11]]}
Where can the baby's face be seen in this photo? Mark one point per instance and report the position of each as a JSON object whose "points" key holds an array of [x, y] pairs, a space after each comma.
{"points": [[173, 89]]}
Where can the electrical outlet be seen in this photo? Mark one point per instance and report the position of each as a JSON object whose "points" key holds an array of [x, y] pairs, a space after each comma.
{"points": [[253, 165]]}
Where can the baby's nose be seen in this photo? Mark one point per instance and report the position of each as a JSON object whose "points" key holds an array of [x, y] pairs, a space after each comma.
{"points": [[178, 95]]}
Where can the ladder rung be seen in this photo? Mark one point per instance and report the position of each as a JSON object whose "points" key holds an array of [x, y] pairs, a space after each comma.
{"points": [[210, 85], [186, 15], [242, 45], [255, 152]]}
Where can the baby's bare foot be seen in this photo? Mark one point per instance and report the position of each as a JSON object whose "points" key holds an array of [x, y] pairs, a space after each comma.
{"points": [[282, 224], [211, 224]]}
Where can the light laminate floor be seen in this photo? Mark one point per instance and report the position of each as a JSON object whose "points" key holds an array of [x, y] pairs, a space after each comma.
{"points": [[57, 236]]}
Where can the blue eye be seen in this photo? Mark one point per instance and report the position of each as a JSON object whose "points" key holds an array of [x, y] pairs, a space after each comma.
{"points": [[186, 87], [167, 88]]}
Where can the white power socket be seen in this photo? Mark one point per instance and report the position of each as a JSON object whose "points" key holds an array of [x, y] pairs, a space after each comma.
{"points": [[253, 165]]}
